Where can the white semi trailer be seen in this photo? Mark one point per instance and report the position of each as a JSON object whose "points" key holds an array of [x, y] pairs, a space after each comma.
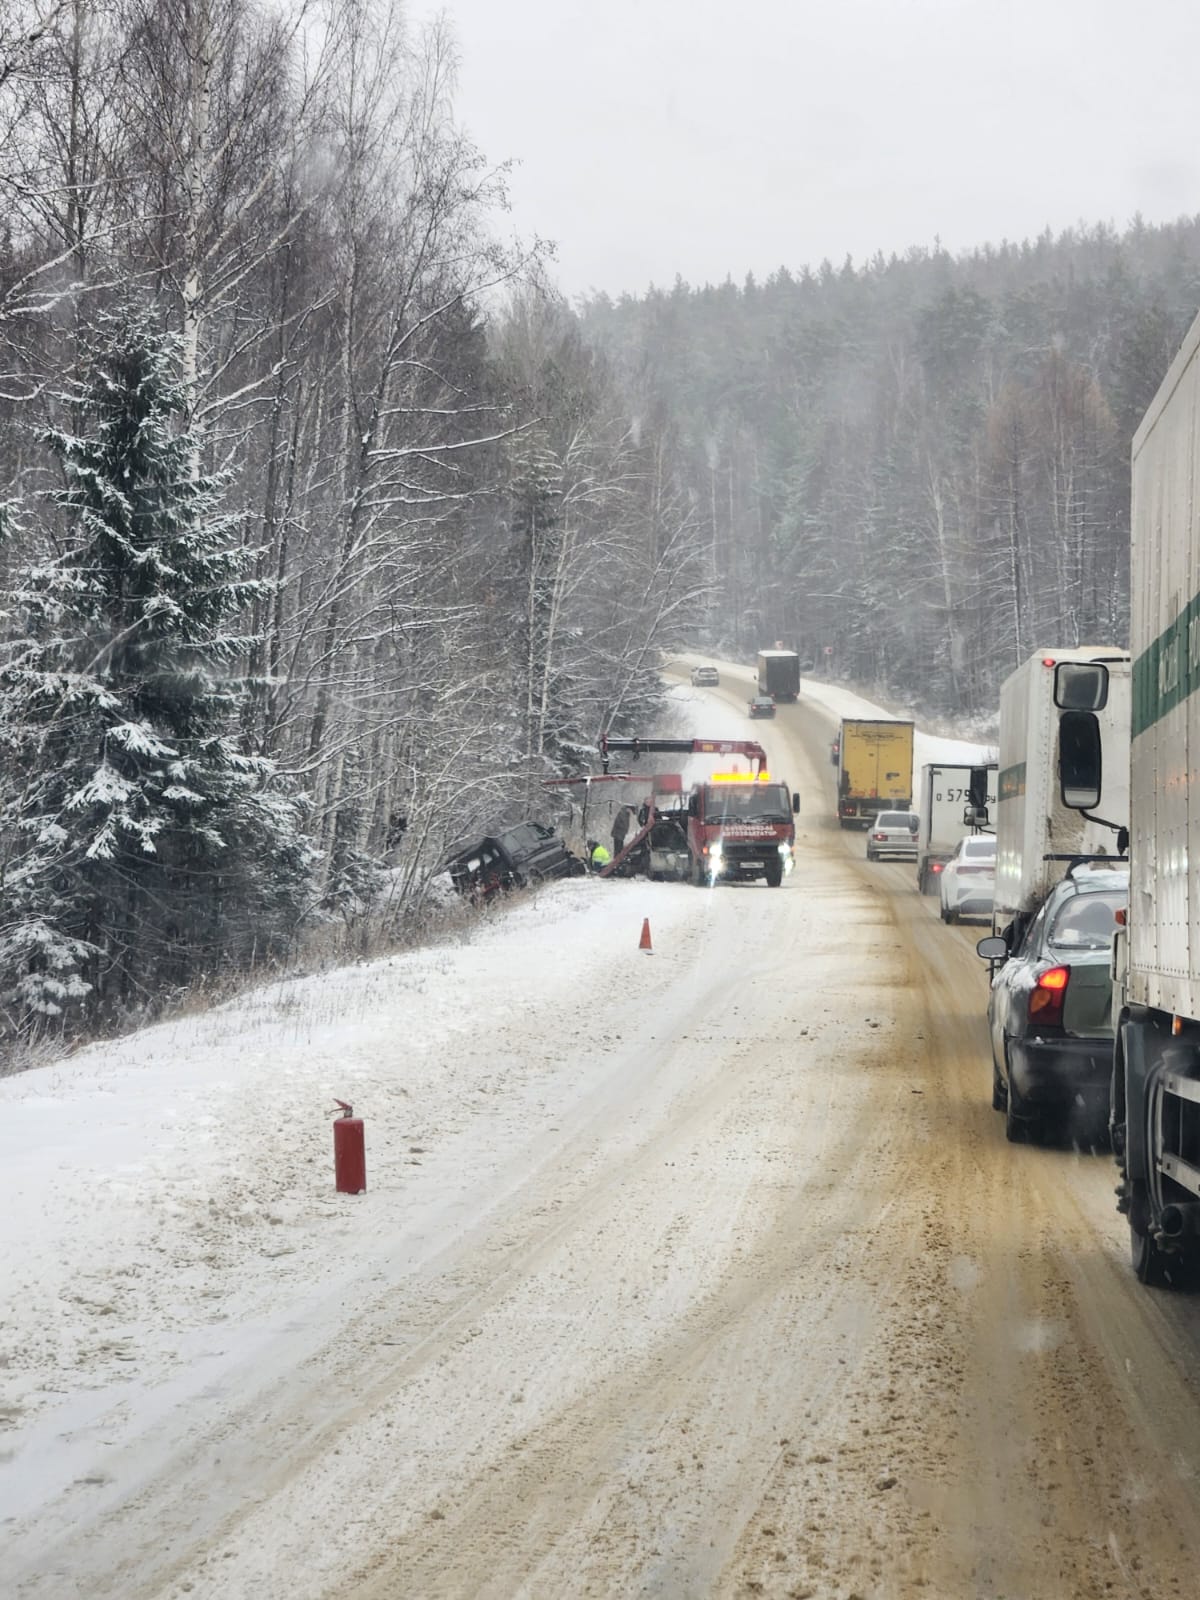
{"points": [[1156, 1065], [1039, 833], [955, 801]]}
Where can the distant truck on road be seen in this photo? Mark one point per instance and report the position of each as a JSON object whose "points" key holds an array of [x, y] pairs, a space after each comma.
{"points": [[779, 674], [875, 769], [955, 801], [1038, 831]]}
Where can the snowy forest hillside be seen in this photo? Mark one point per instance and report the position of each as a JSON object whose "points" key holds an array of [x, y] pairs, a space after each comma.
{"points": [[917, 469]]}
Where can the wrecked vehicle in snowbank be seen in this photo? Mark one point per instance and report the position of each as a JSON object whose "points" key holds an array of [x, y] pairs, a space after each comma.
{"points": [[528, 852]]}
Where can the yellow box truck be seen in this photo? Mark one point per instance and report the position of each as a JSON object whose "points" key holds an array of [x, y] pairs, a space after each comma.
{"points": [[875, 770]]}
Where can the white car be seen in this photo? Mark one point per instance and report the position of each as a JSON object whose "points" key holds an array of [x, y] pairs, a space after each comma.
{"points": [[893, 833], [968, 881], [706, 677]]}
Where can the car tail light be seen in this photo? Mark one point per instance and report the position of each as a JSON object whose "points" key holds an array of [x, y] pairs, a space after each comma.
{"points": [[1049, 992], [880, 836], [937, 866]]}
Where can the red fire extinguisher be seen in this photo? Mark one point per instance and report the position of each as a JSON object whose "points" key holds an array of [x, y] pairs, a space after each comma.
{"points": [[349, 1151]]}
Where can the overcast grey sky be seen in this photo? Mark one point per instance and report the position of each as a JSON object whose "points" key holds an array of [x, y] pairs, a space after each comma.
{"points": [[706, 138]]}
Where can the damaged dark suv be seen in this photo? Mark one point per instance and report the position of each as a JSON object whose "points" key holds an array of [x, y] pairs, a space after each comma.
{"points": [[522, 854]]}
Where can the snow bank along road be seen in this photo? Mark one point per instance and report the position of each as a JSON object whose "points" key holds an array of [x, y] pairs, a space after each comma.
{"points": [[704, 1272]]}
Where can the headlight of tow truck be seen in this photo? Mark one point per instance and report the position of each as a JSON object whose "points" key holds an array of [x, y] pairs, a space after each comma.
{"points": [[785, 856], [715, 853]]}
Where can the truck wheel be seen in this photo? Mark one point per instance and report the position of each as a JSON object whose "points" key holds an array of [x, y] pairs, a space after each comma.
{"points": [[1152, 1266], [949, 916], [774, 874], [1149, 1262]]}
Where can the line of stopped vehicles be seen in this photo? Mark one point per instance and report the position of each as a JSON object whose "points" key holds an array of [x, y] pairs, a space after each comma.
{"points": [[1093, 845], [1019, 842]]}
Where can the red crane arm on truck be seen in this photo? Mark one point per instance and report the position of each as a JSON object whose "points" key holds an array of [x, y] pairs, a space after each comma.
{"points": [[684, 747]]}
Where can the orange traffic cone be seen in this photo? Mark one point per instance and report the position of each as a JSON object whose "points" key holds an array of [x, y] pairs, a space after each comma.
{"points": [[644, 941]]}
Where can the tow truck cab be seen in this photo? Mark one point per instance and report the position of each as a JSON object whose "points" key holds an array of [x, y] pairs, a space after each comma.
{"points": [[740, 827]]}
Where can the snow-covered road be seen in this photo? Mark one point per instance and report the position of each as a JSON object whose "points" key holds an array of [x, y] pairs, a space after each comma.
{"points": [[702, 1271]]}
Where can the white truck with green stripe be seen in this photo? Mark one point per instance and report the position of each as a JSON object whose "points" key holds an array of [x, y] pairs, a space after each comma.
{"points": [[1156, 1068], [1037, 833]]}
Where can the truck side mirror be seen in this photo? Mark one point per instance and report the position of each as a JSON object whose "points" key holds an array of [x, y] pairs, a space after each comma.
{"points": [[975, 817], [1081, 686], [977, 790], [796, 804], [1079, 760]]}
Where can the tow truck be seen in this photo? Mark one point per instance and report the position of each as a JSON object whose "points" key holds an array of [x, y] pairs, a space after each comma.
{"points": [[738, 825]]}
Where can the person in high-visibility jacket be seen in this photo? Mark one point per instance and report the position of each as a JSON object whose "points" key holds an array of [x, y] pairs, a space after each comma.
{"points": [[598, 856]]}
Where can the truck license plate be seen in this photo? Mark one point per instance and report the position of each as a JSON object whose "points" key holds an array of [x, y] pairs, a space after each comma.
{"points": [[752, 863]]}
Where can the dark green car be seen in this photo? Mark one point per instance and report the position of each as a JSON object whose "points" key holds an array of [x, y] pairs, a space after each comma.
{"points": [[1050, 1010]]}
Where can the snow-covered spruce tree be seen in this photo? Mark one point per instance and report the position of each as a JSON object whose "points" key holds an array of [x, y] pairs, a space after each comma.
{"points": [[142, 848]]}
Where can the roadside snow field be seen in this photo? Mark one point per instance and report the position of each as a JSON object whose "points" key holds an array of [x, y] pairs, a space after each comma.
{"points": [[169, 1197]]}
